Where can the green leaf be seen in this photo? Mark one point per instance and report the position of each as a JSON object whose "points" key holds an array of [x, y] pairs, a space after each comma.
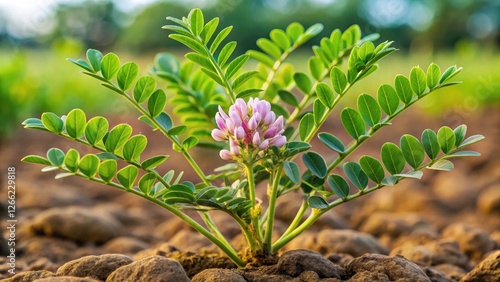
{"points": [[190, 43], [369, 109], [134, 147], [190, 142], [209, 30], [177, 29], [388, 99], [390, 181], [303, 82], [213, 76], [460, 132], [126, 75], [36, 160], [94, 57], [418, 80], [366, 51], [164, 121], [295, 147], [248, 93], [444, 165], [352, 122], [110, 64], [127, 176], [463, 154], [226, 52], [168, 63], [153, 162], [242, 78], [449, 73], [356, 175], [196, 21], [403, 89], [281, 39], [319, 110], [178, 130], [471, 140], [413, 151], [75, 123], [288, 98], [294, 30], [34, 123], [55, 156], [446, 139], [309, 33], [325, 94], [71, 160], [372, 168], [144, 88], [411, 174], [316, 68], [393, 158], [52, 122], [146, 182], [117, 137], [219, 38], [235, 65], [433, 75], [315, 163], [292, 171], [261, 57], [351, 35], [106, 156], [89, 165], [107, 170], [338, 79], [431, 144], [316, 202], [207, 193], [83, 64], [96, 129], [306, 125], [331, 142], [339, 185], [157, 103]]}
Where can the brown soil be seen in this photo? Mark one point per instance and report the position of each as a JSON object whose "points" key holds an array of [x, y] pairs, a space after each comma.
{"points": [[445, 227]]}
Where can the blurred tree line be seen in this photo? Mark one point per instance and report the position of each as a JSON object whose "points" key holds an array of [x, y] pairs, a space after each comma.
{"points": [[437, 24]]}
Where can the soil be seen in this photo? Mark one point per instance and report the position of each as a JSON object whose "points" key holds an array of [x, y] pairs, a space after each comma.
{"points": [[445, 227]]}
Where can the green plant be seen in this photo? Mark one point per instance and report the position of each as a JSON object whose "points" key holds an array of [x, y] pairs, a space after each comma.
{"points": [[263, 136]]}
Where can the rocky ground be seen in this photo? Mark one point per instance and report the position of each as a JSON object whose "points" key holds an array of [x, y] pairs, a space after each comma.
{"points": [[445, 227]]}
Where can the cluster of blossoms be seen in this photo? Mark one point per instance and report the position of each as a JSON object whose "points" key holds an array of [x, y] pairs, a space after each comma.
{"points": [[249, 127]]}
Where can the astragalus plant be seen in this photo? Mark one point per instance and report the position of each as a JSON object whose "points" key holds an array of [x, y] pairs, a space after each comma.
{"points": [[262, 121]]}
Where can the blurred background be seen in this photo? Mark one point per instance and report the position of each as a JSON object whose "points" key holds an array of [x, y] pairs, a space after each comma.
{"points": [[36, 36]]}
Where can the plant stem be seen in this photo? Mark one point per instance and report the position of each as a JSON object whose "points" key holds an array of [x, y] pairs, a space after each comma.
{"points": [[223, 245], [254, 211], [271, 210], [298, 217]]}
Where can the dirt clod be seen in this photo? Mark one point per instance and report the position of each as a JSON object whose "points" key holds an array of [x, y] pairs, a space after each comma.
{"points": [[150, 269]]}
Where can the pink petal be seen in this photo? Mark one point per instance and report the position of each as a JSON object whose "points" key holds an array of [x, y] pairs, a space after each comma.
{"points": [[239, 132], [218, 135], [264, 144], [226, 155], [256, 139], [278, 141], [254, 121], [269, 118], [222, 113]]}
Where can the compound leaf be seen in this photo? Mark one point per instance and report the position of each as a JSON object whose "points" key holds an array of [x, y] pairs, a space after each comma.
{"points": [[117, 137]]}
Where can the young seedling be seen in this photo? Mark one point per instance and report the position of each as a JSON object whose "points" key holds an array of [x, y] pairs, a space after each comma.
{"points": [[262, 121]]}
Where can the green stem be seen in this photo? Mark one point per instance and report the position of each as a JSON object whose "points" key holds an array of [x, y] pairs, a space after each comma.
{"points": [[255, 209], [215, 230], [271, 210], [298, 217], [226, 248]]}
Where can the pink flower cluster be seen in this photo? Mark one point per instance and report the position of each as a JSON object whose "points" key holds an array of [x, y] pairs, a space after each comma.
{"points": [[248, 126]]}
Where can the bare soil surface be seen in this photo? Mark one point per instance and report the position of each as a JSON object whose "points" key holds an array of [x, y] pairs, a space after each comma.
{"points": [[445, 227]]}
